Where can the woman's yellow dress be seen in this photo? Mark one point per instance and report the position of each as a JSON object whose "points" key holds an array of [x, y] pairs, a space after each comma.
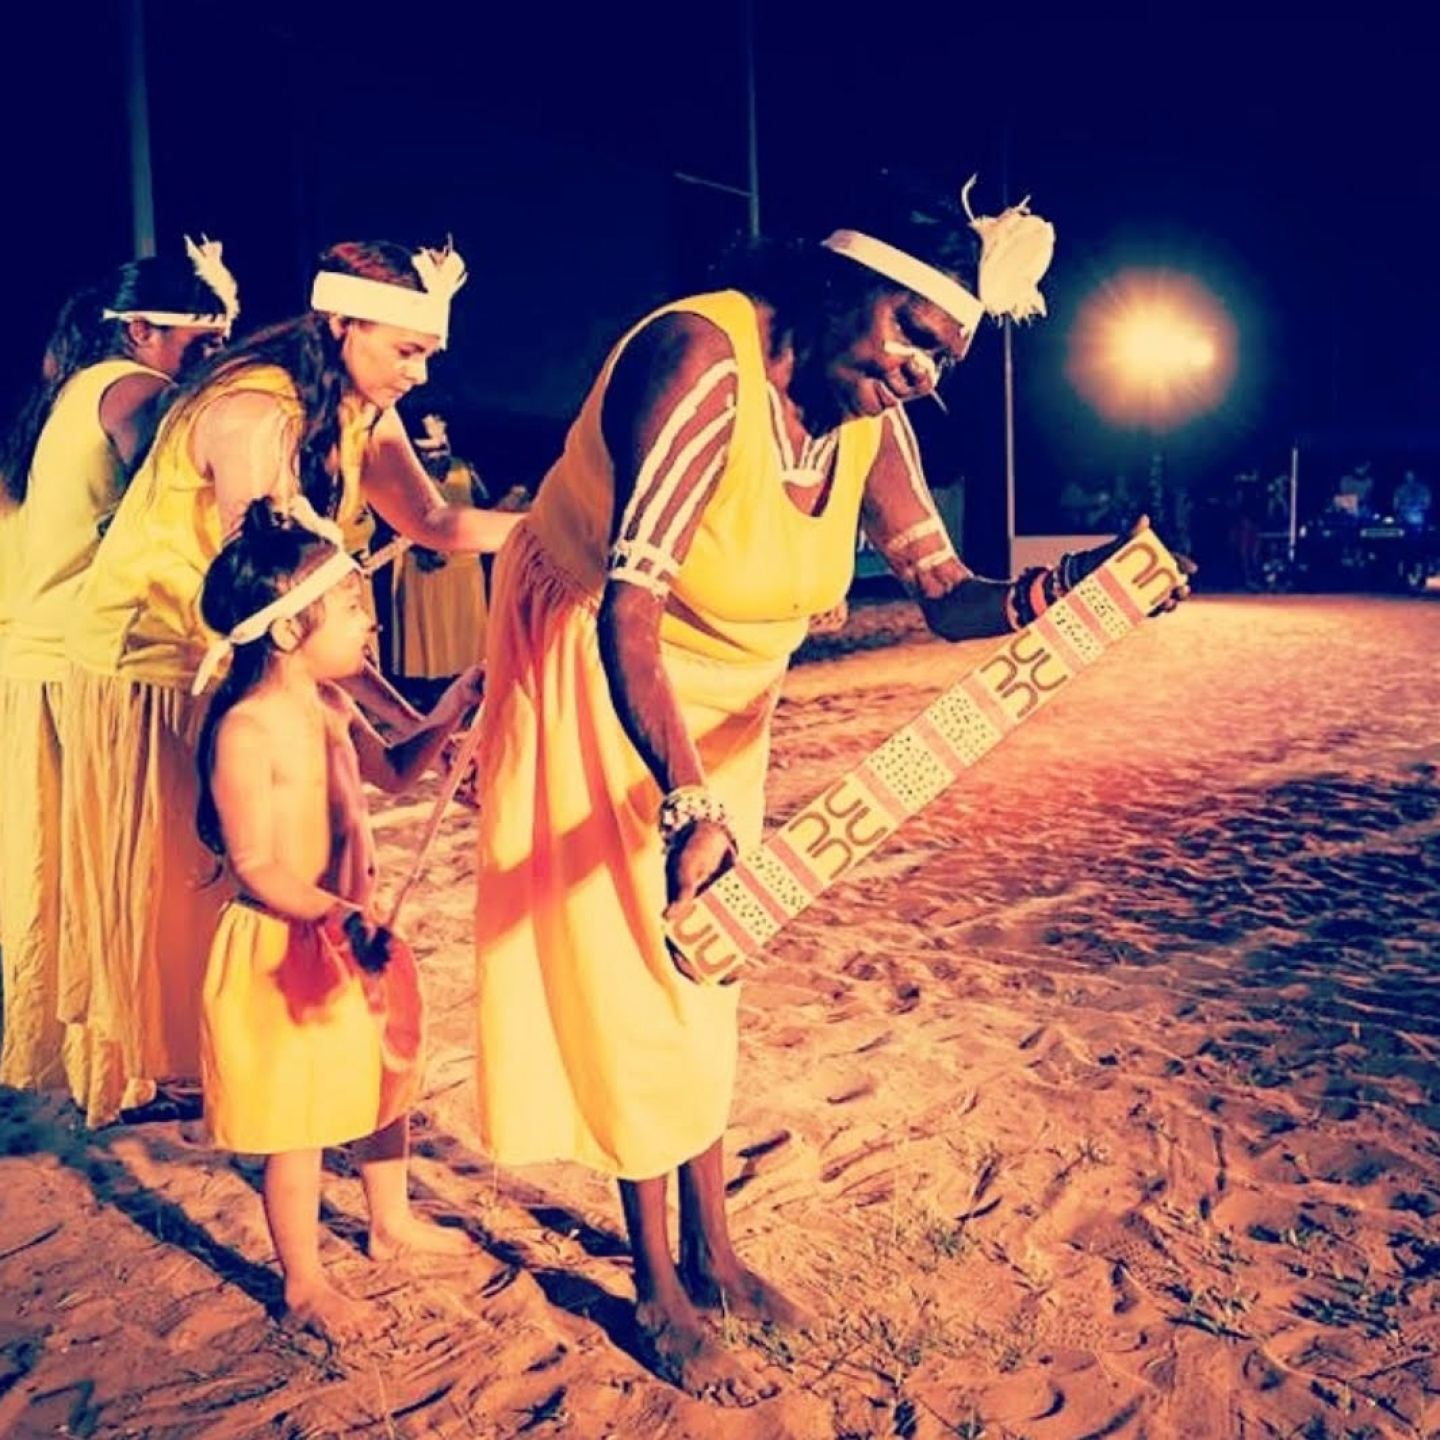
{"points": [[142, 895], [75, 482], [440, 614], [592, 1046]]}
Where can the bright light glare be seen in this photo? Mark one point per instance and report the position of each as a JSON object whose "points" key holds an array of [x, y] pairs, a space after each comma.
{"points": [[1152, 348], [1159, 346]]}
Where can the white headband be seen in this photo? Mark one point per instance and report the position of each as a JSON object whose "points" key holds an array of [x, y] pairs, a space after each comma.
{"points": [[325, 576], [442, 273], [1015, 251], [948, 293], [212, 270]]}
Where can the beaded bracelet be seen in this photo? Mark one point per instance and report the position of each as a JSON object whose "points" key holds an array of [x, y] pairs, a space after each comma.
{"points": [[1022, 595], [682, 807]]}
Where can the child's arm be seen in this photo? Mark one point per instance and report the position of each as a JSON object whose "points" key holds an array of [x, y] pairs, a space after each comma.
{"points": [[243, 787], [395, 767]]}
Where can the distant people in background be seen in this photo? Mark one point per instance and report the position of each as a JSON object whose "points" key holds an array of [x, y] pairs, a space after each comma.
{"points": [[1353, 491], [438, 611], [1086, 508], [1246, 525], [1277, 502], [516, 499], [1411, 501]]}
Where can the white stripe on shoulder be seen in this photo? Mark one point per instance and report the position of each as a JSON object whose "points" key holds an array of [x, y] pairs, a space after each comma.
{"points": [[686, 408], [692, 500], [642, 521]]}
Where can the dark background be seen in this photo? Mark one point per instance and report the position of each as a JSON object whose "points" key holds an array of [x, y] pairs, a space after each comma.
{"points": [[1289, 163]]}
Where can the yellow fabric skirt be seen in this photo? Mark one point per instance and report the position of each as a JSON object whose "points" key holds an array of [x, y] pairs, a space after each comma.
{"points": [[141, 894], [592, 1046], [33, 1054], [300, 1049], [39, 1052], [439, 618]]}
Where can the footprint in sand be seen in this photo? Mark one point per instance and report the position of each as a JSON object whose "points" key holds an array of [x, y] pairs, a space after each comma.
{"points": [[907, 997], [1127, 1297], [757, 1160], [856, 1091]]}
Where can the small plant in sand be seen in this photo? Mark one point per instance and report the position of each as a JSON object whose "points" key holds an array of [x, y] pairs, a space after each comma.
{"points": [[891, 1349], [1357, 1302], [1217, 1312], [946, 1239]]}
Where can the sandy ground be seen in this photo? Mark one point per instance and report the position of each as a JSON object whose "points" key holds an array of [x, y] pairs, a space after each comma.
{"points": [[1103, 1102]]}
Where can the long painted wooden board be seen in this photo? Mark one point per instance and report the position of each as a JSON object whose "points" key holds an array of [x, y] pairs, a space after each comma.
{"points": [[743, 911]]}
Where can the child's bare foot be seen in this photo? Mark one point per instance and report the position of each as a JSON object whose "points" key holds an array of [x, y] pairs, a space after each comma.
{"points": [[330, 1313], [739, 1291], [675, 1344], [414, 1236]]}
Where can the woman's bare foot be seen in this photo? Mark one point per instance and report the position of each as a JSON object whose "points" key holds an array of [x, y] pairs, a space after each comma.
{"points": [[676, 1346], [414, 1236], [330, 1313], [739, 1291]]}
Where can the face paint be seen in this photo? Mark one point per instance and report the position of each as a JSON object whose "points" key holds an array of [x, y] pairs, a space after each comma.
{"points": [[923, 361]]}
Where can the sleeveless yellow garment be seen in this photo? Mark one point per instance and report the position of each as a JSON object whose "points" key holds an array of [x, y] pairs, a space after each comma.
{"points": [[758, 567], [75, 481], [9, 576], [139, 614], [440, 614], [142, 896], [591, 1046], [10, 548]]}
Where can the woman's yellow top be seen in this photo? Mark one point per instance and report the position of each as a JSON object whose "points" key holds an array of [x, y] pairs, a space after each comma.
{"points": [[76, 481], [139, 612], [759, 567], [9, 566]]}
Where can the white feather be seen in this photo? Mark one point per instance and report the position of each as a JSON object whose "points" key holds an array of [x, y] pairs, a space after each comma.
{"points": [[210, 268]]}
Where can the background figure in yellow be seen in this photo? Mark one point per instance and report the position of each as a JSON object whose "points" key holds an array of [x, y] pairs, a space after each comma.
{"points": [[704, 508], [439, 610], [115, 350], [313, 1018], [302, 413]]}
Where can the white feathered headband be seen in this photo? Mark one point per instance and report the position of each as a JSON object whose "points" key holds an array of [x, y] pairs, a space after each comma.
{"points": [[441, 272], [213, 272], [1016, 248]]}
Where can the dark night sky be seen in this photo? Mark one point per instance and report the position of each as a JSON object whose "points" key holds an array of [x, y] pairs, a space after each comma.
{"points": [[1289, 163]]}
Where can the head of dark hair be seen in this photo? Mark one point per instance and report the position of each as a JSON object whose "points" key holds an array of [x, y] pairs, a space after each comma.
{"points": [[83, 336], [268, 555], [806, 283], [308, 351]]}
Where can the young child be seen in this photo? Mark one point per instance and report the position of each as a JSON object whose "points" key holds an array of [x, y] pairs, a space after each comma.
{"points": [[312, 1012]]}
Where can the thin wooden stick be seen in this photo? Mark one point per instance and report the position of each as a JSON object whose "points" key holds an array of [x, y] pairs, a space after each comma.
{"points": [[463, 756], [386, 553]]}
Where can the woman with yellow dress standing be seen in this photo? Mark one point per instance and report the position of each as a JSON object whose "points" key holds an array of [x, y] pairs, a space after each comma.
{"points": [[302, 413], [116, 350], [439, 612], [704, 508]]}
